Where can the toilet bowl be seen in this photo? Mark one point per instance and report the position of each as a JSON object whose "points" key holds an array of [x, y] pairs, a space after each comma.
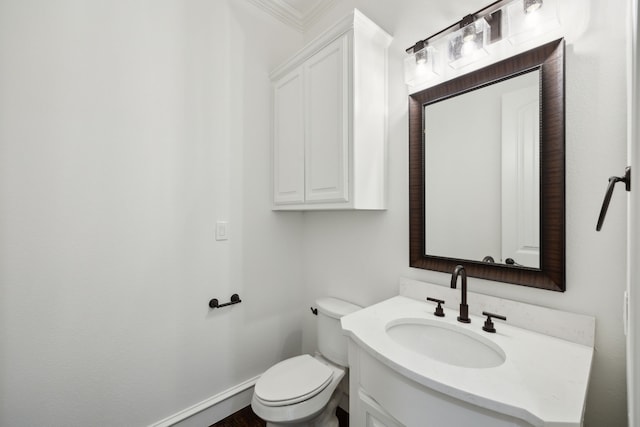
{"points": [[296, 391], [303, 391]]}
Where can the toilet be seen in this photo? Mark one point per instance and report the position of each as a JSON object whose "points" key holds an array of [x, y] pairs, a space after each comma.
{"points": [[303, 391]]}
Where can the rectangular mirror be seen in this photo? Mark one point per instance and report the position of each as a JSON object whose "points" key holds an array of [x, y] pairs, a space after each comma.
{"points": [[487, 171]]}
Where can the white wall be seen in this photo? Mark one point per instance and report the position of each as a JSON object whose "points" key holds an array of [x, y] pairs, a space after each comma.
{"points": [[126, 130], [473, 176], [360, 255]]}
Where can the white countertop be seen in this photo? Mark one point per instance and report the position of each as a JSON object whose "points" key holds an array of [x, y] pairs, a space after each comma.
{"points": [[542, 381]]}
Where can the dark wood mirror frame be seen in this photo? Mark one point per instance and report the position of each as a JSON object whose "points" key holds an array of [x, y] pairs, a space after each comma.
{"points": [[549, 59]]}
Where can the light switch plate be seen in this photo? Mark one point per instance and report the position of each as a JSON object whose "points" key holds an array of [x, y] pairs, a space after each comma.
{"points": [[222, 230]]}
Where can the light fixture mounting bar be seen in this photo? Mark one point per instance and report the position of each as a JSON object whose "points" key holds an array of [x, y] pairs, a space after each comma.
{"points": [[485, 12]]}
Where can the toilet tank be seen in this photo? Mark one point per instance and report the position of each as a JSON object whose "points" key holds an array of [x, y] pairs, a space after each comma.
{"points": [[332, 344]]}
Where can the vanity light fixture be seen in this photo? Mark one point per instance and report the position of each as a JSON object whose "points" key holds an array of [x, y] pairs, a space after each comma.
{"points": [[421, 64], [467, 44], [420, 53], [474, 36], [469, 31], [531, 19], [458, 45]]}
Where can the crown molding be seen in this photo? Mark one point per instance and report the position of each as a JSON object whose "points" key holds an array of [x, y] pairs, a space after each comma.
{"points": [[291, 16], [320, 8]]}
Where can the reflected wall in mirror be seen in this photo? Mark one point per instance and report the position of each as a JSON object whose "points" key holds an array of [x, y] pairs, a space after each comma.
{"points": [[487, 172], [490, 154]]}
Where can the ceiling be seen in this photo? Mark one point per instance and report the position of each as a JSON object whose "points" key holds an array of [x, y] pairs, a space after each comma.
{"points": [[299, 14]]}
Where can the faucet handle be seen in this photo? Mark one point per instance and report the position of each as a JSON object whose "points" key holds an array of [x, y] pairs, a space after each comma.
{"points": [[439, 311], [488, 324]]}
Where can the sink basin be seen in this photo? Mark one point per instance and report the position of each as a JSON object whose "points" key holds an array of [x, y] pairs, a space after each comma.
{"points": [[446, 343]]}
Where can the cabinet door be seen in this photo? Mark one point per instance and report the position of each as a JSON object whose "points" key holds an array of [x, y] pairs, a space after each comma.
{"points": [[372, 414], [288, 139], [326, 124]]}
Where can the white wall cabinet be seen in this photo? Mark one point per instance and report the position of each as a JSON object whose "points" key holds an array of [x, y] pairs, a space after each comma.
{"points": [[329, 121]]}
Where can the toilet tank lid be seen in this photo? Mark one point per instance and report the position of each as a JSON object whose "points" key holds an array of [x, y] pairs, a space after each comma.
{"points": [[336, 308]]}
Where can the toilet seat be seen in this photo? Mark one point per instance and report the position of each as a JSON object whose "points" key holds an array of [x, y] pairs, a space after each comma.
{"points": [[292, 381]]}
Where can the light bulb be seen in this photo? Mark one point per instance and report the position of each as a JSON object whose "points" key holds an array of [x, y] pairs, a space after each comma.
{"points": [[469, 33], [421, 57], [531, 6], [468, 48]]}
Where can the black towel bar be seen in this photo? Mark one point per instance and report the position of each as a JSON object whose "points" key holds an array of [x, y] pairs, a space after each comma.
{"points": [[235, 299]]}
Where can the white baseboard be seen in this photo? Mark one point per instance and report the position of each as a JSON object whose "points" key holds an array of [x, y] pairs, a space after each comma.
{"points": [[213, 409]]}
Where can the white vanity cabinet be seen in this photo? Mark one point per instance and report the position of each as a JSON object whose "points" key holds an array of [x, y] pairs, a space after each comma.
{"points": [[381, 397], [329, 121], [410, 368]]}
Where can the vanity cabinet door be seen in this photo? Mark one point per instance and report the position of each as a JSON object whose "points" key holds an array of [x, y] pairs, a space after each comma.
{"points": [[326, 124], [373, 415], [288, 143]]}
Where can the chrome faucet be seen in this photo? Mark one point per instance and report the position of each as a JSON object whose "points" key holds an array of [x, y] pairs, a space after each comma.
{"points": [[464, 308]]}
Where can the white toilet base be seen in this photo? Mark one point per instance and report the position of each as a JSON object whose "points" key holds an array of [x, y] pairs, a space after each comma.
{"points": [[327, 418]]}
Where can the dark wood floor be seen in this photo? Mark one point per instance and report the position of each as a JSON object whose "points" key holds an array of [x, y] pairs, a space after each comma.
{"points": [[246, 418], [243, 418]]}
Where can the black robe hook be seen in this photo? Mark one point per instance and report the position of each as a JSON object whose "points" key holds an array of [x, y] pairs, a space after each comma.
{"points": [[607, 197]]}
